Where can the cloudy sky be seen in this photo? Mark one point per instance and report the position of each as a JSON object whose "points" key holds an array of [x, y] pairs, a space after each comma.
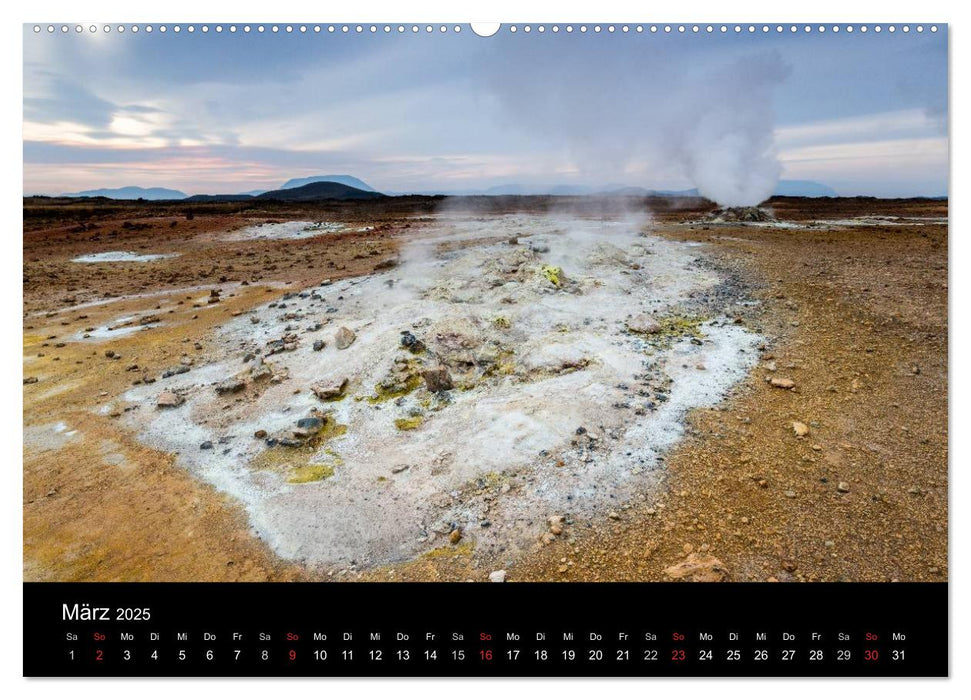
{"points": [[217, 113]]}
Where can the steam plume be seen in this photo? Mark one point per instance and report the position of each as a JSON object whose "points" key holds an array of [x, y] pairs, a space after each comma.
{"points": [[725, 138], [634, 111]]}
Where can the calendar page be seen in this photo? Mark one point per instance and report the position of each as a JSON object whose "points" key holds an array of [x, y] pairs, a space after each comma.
{"points": [[436, 349]]}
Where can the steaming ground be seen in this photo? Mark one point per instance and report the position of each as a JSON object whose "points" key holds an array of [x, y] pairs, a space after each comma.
{"points": [[574, 349], [854, 316]]}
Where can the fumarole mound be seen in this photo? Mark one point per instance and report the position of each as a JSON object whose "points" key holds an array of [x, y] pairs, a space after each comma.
{"points": [[739, 214]]}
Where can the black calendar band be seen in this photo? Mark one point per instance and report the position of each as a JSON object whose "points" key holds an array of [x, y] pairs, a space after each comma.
{"points": [[474, 629]]}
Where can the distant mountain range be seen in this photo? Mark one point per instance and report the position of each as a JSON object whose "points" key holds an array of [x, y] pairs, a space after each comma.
{"points": [[789, 188], [803, 188], [153, 193], [330, 187]]}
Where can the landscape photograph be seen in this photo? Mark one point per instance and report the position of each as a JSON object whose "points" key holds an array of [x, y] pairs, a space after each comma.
{"points": [[406, 303]]}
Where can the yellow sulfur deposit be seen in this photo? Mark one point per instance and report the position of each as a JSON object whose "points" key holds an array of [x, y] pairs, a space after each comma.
{"points": [[310, 473], [552, 273], [408, 423]]}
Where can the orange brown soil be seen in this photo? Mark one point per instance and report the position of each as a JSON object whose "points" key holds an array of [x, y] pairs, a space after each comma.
{"points": [[856, 317], [98, 506]]}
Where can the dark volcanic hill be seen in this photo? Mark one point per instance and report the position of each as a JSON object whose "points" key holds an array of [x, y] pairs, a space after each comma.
{"points": [[348, 180], [318, 191]]}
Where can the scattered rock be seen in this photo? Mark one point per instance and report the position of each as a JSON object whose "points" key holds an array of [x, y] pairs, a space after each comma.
{"points": [[172, 371], [398, 469], [169, 399], [207, 445], [800, 429], [319, 345], [843, 487], [644, 323], [260, 371], [328, 391], [409, 341], [259, 434], [699, 568], [231, 386], [498, 576], [306, 427], [782, 382], [287, 343], [344, 337], [30, 380], [437, 379], [455, 535]]}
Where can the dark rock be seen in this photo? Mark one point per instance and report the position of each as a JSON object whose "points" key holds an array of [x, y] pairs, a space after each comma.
{"points": [[230, 386], [311, 423], [172, 371], [408, 340]]}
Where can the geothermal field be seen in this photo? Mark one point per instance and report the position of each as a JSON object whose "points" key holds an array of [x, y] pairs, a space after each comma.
{"points": [[507, 388]]}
